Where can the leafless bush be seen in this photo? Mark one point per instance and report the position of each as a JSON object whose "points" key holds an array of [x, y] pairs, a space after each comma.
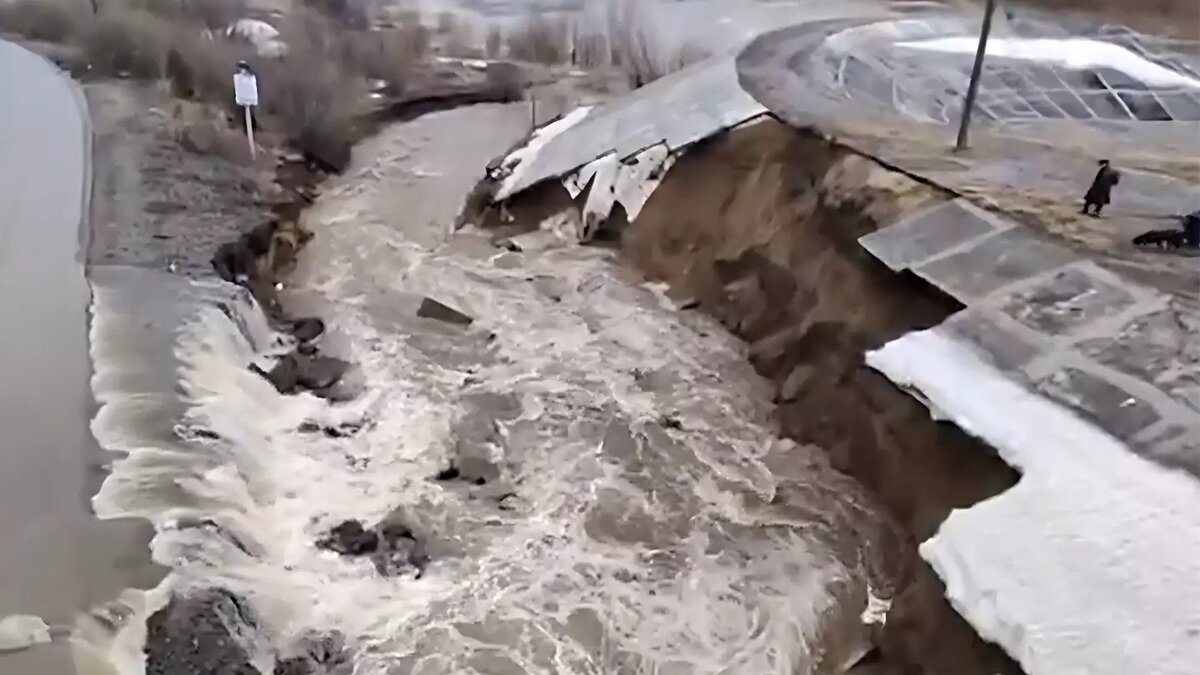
{"points": [[312, 99], [638, 40], [590, 50], [494, 42], [348, 13], [49, 20], [540, 39], [211, 14], [200, 68], [126, 42], [459, 44], [507, 78], [390, 55]]}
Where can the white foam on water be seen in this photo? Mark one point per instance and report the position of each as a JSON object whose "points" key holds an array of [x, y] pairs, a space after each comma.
{"points": [[1088, 565], [21, 631], [647, 519]]}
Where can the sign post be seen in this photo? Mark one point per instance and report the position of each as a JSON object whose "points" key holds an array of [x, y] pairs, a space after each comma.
{"points": [[976, 71], [245, 93]]}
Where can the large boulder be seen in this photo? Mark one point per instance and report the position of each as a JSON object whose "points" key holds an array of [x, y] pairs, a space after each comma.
{"points": [[392, 546], [284, 376], [307, 329], [317, 372], [234, 262], [198, 634], [350, 538]]}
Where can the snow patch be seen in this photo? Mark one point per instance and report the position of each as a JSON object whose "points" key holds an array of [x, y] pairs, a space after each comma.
{"points": [[1088, 566], [876, 611], [518, 160], [1073, 53], [20, 631], [263, 36], [628, 183]]}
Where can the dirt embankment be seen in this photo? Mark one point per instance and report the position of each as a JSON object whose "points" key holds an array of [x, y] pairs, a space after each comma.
{"points": [[760, 226]]}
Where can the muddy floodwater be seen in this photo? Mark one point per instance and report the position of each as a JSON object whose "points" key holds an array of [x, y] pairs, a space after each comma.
{"points": [[591, 473]]}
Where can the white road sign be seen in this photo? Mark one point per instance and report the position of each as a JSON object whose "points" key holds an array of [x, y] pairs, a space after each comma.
{"points": [[245, 88]]}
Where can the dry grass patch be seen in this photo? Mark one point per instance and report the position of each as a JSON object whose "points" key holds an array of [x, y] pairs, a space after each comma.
{"points": [[47, 20], [127, 43]]}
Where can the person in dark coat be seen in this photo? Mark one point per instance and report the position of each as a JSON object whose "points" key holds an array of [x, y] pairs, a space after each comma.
{"points": [[1191, 229], [1100, 192]]}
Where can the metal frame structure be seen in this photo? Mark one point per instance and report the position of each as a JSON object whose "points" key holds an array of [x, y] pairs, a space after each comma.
{"points": [[930, 86]]}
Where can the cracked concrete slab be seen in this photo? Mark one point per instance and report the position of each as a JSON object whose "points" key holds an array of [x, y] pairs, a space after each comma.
{"points": [[994, 262], [926, 234], [1160, 348], [1003, 347], [677, 110], [1101, 402], [1066, 301], [1175, 446]]}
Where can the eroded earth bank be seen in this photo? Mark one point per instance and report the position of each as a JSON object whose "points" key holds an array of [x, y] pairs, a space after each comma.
{"points": [[758, 229]]}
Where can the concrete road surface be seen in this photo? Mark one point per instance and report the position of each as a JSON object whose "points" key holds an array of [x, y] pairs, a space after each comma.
{"points": [[55, 558]]}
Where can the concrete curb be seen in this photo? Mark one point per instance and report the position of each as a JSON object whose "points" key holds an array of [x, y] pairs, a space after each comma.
{"points": [[89, 187]]}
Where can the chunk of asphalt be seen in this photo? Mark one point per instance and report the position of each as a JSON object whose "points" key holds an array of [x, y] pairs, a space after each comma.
{"points": [[432, 309]]}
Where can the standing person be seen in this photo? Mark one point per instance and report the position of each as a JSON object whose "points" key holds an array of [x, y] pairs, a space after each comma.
{"points": [[1191, 229], [1100, 192]]}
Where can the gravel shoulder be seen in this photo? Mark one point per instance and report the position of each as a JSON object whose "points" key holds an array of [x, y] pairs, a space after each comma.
{"points": [[156, 203]]}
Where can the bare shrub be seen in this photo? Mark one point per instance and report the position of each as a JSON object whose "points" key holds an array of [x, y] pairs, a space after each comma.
{"points": [[540, 39], [458, 43], [49, 20], [126, 42], [202, 129], [200, 68], [507, 78], [348, 13], [212, 14], [390, 55], [494, 42], [216, 14], [311, 99], [639, 41], [590, 50]]}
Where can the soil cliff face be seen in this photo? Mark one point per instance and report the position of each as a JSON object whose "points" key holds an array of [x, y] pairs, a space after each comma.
{"points": [[759, 226]]}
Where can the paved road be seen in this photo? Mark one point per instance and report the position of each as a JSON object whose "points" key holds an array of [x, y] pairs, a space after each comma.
{"points": [[55, 559]]}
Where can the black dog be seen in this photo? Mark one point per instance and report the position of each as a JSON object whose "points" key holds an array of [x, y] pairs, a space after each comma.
{"points": [[1160, 238]]}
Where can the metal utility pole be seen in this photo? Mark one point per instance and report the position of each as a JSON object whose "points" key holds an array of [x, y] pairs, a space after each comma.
{"points": [[976, 71]]}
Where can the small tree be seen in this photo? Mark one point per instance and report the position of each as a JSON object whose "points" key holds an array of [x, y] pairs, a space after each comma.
{"points": [[495, 41]]}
